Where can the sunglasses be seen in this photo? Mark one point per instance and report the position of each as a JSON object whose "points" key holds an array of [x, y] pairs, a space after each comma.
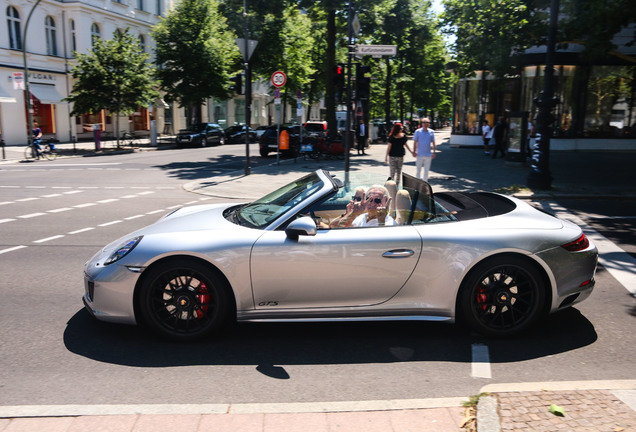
{"points": [[356, 198], [377, 200]]}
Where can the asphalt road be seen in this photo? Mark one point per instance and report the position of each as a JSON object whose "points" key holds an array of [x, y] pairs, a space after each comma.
{"points": [[55, 215]]}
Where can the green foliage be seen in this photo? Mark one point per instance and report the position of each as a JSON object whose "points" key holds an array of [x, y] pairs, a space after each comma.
{"points": [[196, 53], [113, 76]]}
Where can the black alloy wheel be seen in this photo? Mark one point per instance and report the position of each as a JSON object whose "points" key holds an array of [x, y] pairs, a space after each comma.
{"points": [[183, 301], [502, 296]]}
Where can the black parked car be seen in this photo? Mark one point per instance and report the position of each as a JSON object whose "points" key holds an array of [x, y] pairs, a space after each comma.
{"points": [[201, 135], [268, 142], [236, 134]]}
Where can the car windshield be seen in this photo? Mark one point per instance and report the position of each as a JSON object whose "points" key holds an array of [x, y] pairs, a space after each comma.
{"points": [[263, 211]]}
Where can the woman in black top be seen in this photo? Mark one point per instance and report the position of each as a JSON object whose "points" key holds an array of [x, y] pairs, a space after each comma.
{"points": [[395, 151]]}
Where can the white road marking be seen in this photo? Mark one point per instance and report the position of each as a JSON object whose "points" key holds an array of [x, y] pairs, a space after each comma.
{"points": [[73, 192], [27, 199], [6, 220], [31, 215], [51, 195], [146, 193], [134, 217], [48, 239], [106, 201], [481, 361], [109, 223], [81, 230], [84, 205], [60, 210], [7, 202], [129, 196], [11, 249]]}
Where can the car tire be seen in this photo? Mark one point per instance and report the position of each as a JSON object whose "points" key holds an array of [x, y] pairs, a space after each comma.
{"points": [[263, 153], [183, 300], [204, 141], [502, 296], [222, 141]]}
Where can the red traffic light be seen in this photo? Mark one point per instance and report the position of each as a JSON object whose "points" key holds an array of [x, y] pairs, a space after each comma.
{"points": [[339, 70]]}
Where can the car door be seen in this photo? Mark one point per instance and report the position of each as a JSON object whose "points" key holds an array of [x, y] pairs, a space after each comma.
{"points": [[335, 268]]}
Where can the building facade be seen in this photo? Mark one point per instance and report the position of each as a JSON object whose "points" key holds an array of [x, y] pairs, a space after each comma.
{"points": [[55, 30], [596, 106]]}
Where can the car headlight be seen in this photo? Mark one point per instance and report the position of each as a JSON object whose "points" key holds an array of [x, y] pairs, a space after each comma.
{"points": [[123, 249]]}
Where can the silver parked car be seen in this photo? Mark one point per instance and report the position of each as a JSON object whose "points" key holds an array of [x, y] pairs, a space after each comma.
{"points": [[493, 262]]}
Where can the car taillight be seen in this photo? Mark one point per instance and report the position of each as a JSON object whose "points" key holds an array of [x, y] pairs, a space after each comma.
{"points": [[579, 244]]}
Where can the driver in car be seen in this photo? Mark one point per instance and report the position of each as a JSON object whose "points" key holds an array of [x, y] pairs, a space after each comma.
{"points": [[373, 212]]}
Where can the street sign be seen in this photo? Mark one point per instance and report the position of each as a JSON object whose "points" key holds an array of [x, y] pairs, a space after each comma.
{"points": [[279, 79], [251, 44], [376, 50]]}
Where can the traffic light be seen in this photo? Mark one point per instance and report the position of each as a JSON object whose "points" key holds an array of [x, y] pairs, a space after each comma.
{"points": [[339, 82], [363, 82], [237, 84]]}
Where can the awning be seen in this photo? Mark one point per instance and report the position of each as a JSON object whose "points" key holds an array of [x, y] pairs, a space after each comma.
{"points": [[5, 97], [46, 94]]}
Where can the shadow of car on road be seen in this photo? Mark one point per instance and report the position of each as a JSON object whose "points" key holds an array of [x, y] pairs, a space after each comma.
{"points": [[262, 344]]}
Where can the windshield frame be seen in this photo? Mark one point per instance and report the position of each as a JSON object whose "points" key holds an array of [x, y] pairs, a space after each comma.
{"points": [[286, 201]]}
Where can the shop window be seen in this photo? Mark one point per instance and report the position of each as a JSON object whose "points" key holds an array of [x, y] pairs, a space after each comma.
{"points": [[141, 119], [14, 24], [609, 108]]}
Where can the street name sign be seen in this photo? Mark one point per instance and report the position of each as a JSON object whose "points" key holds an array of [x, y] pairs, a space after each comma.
{"points": [[376, 50]]}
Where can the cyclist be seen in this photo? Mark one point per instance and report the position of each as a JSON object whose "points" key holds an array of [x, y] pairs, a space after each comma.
{"points": [[36, 132]]}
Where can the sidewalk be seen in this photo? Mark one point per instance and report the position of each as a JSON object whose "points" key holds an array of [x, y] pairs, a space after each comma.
{"points": [[587, 405]]}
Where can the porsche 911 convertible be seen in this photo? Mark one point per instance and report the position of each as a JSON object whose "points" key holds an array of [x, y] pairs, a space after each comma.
{"points": [[492, 262]]}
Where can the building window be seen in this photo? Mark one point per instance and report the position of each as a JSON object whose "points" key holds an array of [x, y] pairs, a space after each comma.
{"points": [[73, 37], [95, 33], [51, 36], [159, 7], [140, 4], [13, 23], [142, 43]]}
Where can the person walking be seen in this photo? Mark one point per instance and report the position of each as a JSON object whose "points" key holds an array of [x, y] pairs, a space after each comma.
{"points": [[500, 134], [395, 151], [424, 147], [486, 134], [361, 137]]}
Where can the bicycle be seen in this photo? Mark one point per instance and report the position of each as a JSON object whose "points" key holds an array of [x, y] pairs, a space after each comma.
{"points": [[129, 139], [38, 149]]}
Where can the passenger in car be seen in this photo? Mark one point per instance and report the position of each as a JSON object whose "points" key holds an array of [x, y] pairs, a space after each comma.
{"points": [[355, 205]]}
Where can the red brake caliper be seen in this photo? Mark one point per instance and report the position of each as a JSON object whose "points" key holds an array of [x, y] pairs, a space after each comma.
{"points": [[204, 300], [482, 298]]}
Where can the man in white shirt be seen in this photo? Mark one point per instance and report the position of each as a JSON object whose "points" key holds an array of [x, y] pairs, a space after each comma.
{"points": [[424, 148], [376, 205]]}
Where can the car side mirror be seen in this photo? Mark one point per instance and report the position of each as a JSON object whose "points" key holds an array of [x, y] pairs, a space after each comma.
{"points": [[304, 226]]}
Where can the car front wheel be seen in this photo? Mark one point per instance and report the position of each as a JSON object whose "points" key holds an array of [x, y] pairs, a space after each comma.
{"points": [[183, 300], [502, 296]]}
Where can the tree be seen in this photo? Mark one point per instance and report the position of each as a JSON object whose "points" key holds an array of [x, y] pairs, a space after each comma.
{"points": [[115, 76], [196, 54]]}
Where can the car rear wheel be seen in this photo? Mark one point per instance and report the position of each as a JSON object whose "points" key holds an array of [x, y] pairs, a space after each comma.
{"points": [[183, 300], [502, 296], [264, 152], [204, 141]]}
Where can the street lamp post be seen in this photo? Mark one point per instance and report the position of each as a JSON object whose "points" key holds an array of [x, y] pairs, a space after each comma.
{"points": [[540, 177], [248, 90], [27, 94]]}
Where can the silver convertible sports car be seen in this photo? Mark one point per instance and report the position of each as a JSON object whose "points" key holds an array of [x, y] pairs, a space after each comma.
{"points": [[323, 249]]}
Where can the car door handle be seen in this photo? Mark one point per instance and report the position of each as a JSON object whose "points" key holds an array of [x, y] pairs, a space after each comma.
{"points": [[399, 253]]}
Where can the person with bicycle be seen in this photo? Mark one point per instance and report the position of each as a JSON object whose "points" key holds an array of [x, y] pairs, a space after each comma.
{"points": [[36, 134]]}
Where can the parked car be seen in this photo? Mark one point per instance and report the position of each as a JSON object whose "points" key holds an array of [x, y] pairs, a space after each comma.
{"points": [[489, 261], [315, 128], [268, 142], [201, 135], [236, 134], [260, 131]]}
